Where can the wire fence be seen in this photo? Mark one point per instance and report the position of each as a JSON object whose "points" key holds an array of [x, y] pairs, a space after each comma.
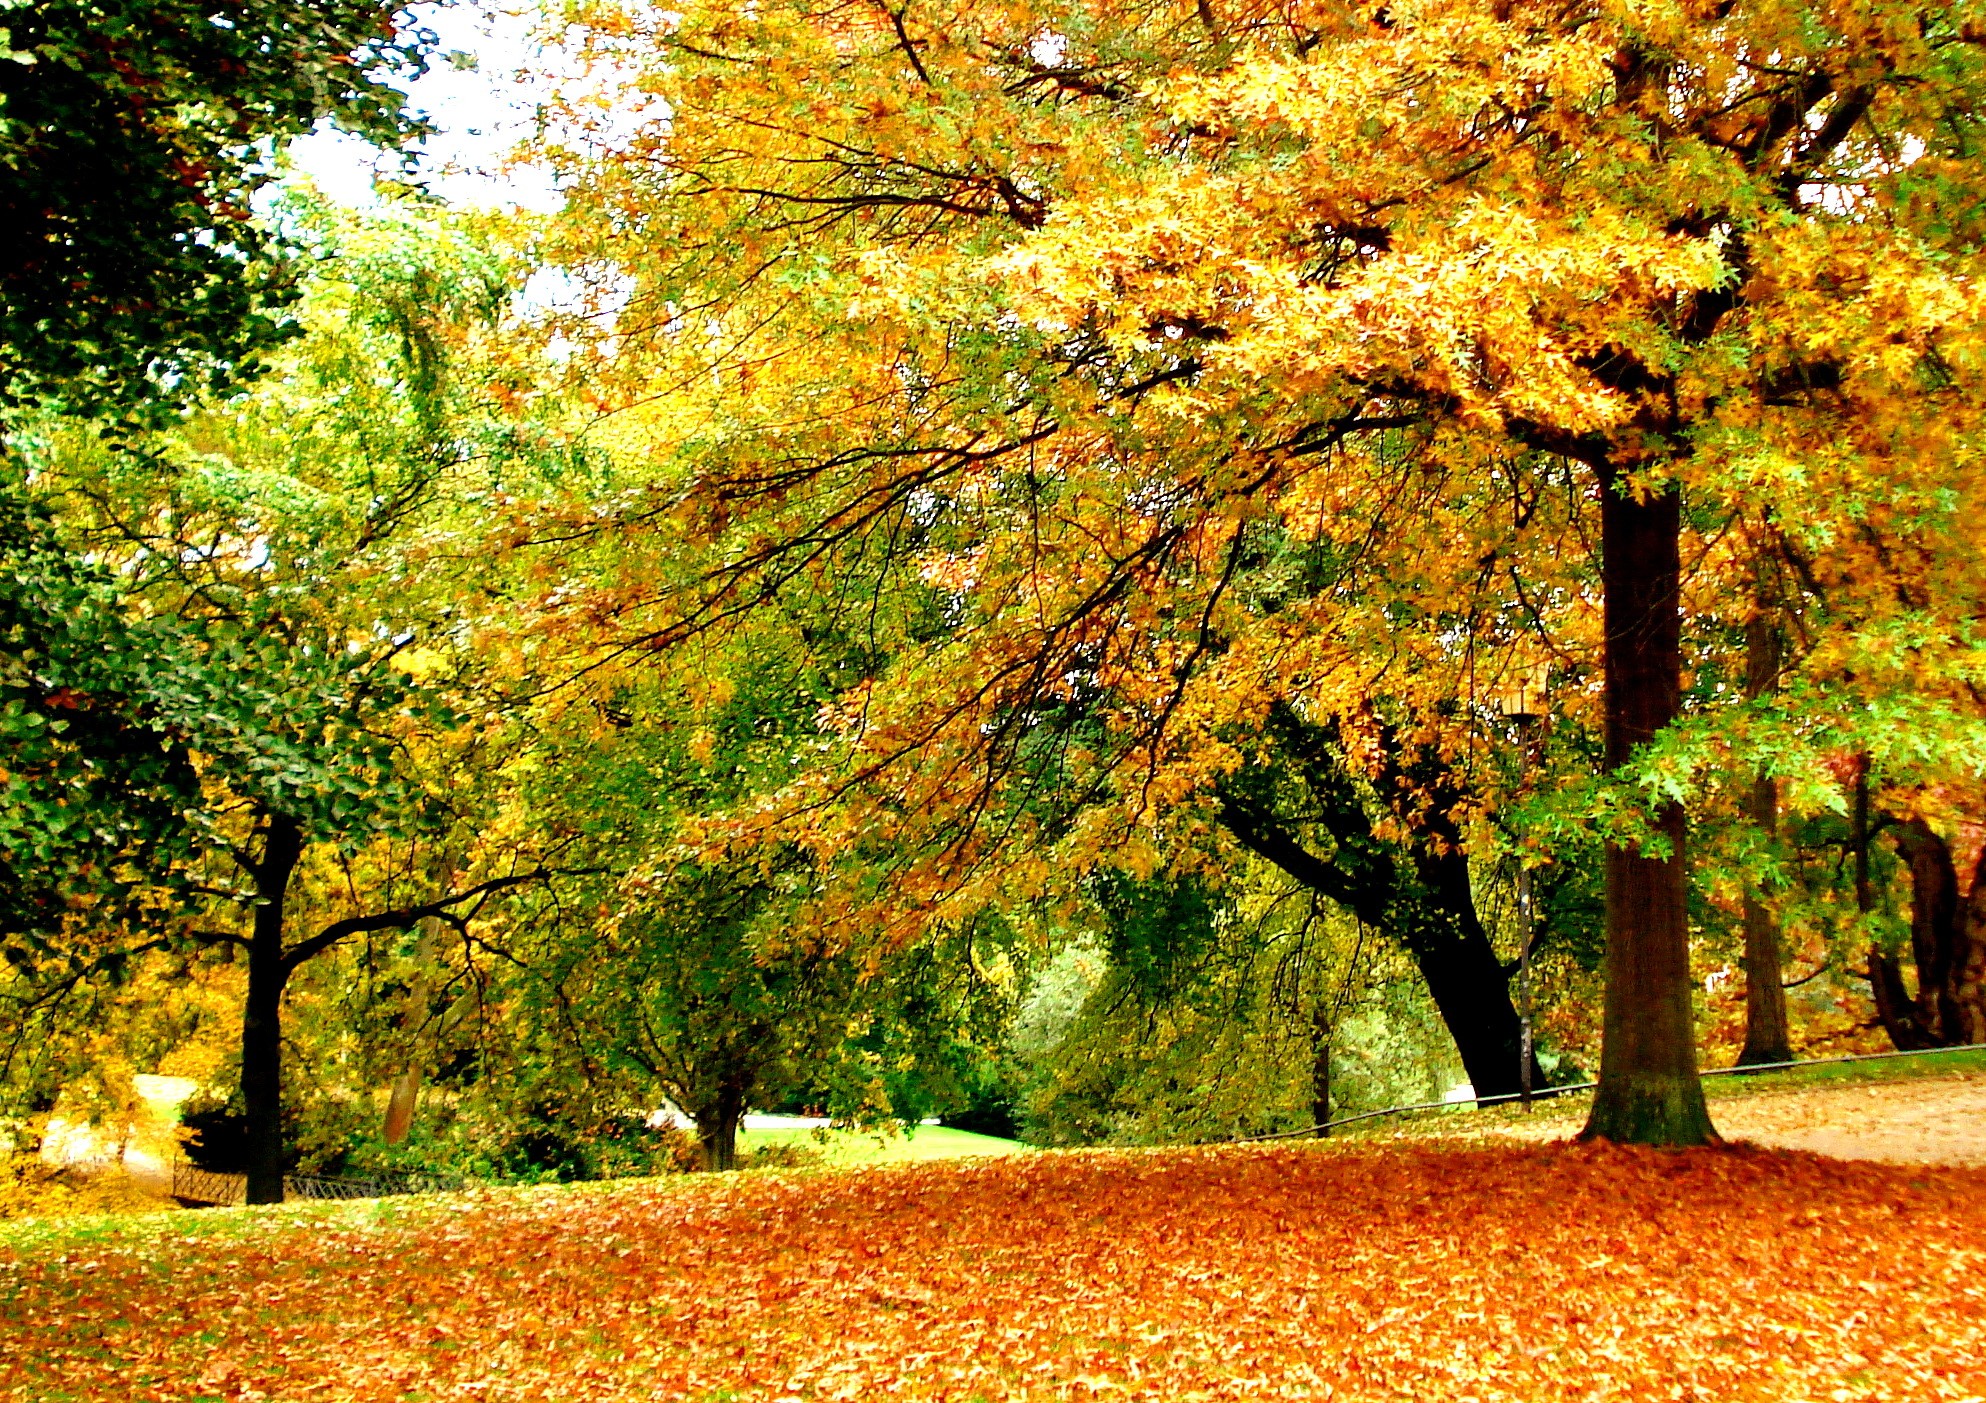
{"points": [[191, 1184], [1544, 1093]]}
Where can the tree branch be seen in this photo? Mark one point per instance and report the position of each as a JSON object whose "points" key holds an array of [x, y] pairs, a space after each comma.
{"points": [[405, 917]]}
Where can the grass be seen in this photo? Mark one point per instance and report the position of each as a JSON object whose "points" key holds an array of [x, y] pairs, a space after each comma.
{"points": [[850, 1148], [1465, 1117]]}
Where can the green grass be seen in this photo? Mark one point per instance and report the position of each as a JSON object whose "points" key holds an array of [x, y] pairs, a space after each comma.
{"points": [[849, 1148], [837, 1149], [1922, 1064], [1464, 1117]]}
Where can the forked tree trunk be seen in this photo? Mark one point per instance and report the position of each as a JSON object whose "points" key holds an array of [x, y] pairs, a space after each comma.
{"points": [[1947, 946], [1649, 1092], [262, 1013], [1766, 1035]]}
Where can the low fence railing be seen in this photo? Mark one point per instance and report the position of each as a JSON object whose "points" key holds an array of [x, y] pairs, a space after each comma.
{"points": [[1545, 1093], [191, 1184]]}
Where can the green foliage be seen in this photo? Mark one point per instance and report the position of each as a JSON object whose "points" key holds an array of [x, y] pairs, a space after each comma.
{"points": [[133, 274]]}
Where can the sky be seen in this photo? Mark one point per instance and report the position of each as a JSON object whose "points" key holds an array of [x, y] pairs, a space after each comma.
{"points": [[479, 104]]}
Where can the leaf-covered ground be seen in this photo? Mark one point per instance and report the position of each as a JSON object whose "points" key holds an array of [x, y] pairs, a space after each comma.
{"points": [[1286, 1271]]}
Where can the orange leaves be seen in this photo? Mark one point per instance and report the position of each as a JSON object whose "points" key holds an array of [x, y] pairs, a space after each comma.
{"points": [[1287, 1272]]}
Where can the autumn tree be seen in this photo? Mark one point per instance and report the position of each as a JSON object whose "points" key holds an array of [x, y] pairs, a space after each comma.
{"points": [[1079, 313]]}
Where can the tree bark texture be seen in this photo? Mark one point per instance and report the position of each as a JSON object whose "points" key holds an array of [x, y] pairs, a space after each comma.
{"points": [[1649, 1092], [262, 1012], [1766, 1035]]}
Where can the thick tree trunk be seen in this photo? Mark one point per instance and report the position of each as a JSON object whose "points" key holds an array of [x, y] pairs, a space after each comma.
{"points": [[1649, 1092], [262, 1014], [1766, 1036], [717, 1128], [1433, 916], [1469, 984], [1934, 920]]}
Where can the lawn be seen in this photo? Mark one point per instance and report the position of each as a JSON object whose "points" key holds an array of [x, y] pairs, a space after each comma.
{"points": [[1281, 1271], [850, 1148]]}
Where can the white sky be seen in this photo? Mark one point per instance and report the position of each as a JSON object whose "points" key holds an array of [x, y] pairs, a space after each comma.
{"points": [[481, 112]]}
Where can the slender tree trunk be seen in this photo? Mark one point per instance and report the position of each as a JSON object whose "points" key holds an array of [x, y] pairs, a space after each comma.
{"points": [[262, 1014], [1766, 1035], [1320, 1069], [1649, 1092]]}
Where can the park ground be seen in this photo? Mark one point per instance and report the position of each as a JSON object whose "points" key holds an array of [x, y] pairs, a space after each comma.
{"points": [[1466, 1257]]}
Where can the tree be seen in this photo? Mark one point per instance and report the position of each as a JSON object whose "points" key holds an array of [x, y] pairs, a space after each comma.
{"points": [[132, 136], [1766, 1035], [133, 278], [317, 681], [1076, 312]]}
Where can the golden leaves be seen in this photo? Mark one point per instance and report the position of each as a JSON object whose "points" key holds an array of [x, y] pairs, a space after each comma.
{"points": [[1287, 1272]]}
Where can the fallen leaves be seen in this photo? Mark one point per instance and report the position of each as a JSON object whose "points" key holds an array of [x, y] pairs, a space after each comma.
{"points": [[1283, 1271]]}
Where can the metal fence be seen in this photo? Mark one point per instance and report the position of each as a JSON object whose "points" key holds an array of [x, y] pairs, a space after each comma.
{"points": [[191, 1184]]}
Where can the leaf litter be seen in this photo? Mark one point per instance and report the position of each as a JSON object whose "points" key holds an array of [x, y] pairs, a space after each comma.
{"points": [[1279, 1271]]}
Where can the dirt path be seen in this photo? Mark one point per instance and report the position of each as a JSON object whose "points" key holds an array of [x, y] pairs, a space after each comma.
{"points": [[1927, 1120]]}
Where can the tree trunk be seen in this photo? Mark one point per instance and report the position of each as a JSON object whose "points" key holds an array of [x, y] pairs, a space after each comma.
{"points": [[262, 1014], [400, 1103], [717, 1128], [1894, 1009], [1320, 1069], [1649, 1092], [1934, 921], [1432, 914], [1766, 1036], [1947, 946], [1469, 984], [1969, 982]]}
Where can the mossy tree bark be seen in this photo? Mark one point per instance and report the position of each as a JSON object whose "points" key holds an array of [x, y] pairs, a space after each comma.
{"points": [[1649, 1093]]}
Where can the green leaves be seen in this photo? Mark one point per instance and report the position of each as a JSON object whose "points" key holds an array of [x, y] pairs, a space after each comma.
{"points": [[132, 272]]}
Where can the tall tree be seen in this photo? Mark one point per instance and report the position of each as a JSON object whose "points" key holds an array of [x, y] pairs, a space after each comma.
{"points": [[1073, 309]]}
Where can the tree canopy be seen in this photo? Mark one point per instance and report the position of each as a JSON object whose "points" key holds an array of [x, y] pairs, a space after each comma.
{"points": [[1055, 561]]}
